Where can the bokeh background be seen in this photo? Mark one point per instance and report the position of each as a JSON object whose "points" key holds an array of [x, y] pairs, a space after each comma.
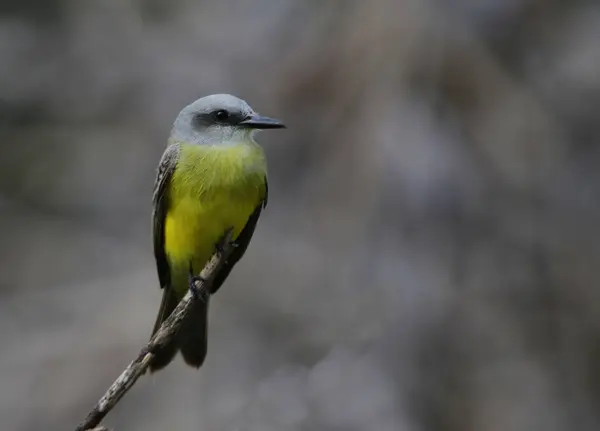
{"points": [[429, 258]]}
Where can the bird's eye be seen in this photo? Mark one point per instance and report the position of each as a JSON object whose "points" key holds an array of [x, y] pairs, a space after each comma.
{"points": [[221, 115]]}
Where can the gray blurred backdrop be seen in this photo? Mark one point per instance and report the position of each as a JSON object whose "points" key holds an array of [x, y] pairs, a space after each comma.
{"points": [[429, 259]]}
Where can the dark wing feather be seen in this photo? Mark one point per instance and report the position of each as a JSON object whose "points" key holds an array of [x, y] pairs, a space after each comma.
{"points": [[161, 203], [169, 301], [242, 242], [165, 354]]}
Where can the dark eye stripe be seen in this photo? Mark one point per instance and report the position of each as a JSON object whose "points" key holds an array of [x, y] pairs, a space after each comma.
{"points": [[216, 117]]}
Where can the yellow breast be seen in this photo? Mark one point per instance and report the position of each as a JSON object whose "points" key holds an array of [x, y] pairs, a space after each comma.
{"points": [[211, 190]]}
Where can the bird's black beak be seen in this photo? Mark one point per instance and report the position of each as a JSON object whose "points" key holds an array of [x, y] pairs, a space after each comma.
{"points": [[261, 123]]}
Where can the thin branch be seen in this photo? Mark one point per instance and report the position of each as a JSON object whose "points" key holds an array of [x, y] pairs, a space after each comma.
{"points": [[163, 336]]}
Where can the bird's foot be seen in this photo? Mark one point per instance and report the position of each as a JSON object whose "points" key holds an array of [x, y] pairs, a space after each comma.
{"points": [[225, 241], [201, 293]]}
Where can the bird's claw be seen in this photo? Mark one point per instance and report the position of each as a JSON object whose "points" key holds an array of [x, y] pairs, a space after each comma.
{"points": [[201, 293]]}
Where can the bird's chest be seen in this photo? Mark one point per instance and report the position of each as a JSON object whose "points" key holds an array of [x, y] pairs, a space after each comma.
{"points": [[235, 173], [207, 196]]}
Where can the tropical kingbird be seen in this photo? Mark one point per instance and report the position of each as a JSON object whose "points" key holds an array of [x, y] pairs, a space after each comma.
{"points": [[211, 178]]}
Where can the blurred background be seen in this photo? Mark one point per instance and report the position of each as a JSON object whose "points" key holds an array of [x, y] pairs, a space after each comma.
{"points": [[429, 258]]}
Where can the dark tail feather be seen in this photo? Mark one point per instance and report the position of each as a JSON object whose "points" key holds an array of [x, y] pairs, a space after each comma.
{"points": [[192, 336], [163, 356]]}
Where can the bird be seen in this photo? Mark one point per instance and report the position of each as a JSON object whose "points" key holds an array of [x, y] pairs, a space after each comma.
{"points": [[211, 182]]}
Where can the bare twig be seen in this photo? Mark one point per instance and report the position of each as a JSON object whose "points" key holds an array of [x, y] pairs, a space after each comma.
{"points": [[163, 336]]}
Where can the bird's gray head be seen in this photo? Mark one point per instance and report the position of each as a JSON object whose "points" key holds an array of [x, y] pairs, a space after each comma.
{"points": [[219, 119]]}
